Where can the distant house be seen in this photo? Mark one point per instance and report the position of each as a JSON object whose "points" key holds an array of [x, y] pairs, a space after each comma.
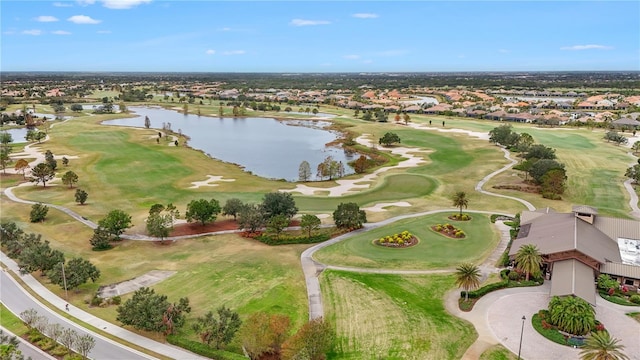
{"points": [[578, 246]]}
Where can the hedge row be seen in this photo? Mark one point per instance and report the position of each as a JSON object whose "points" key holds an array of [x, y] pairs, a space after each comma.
{"points": [[203, 349], [293, 240], [499, 285], [616, 299]]}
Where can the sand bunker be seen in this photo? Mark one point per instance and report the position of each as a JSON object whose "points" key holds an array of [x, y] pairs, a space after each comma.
{"points": [[379, 207], [211, 181]]}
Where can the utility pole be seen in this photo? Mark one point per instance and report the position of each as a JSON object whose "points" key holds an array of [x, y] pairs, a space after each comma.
{"points": [[64, 281]]}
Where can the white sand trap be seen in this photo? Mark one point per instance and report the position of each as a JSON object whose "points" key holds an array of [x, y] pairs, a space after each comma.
{"points": [[480, 135], [350, 186], [211, 181], [151, 278], [323, 216], [379, 207]]}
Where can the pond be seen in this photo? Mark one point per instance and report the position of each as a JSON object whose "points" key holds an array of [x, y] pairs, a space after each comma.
{"points": [[263, 146], [18, 135]]}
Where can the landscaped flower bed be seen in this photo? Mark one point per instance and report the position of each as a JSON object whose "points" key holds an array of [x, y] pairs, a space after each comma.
{"points": [[449, 230], [403, 239], [459, 217]]}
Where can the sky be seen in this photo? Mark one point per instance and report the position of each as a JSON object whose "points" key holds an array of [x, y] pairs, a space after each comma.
{"points": [[319, 36]]}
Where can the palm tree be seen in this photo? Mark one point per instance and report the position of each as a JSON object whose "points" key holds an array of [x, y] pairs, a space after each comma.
{"points": [[572, 314], [529, 259], [600, 346], [467, 277], [460, 200]]}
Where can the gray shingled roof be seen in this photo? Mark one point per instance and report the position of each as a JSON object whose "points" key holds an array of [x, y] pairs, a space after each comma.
{"points": [[557, 232], [571, 277], [618, 269]]}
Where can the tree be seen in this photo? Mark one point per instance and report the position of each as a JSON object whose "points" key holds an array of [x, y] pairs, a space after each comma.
{"points": [[276, 224], [460, 200], [42, 173], [349, 215], [361, 164], [251, 217], [76, 272], [232, 207], [553, 183], [529, 260], [30, 317], [54, 331], [161, 219], [309, 223], [101, 239], [116, 222], [616, 137], [633, 173], [203, 210], [147, 122], [264, 333], [601, 346], [312, 341], [50, 159], [21, 166], [5, 149], [38, 212], [572, 314], [9, 347], [541, 167], [406, 118], [65, 161], [38, 255], [220, 330], [68, 338], [81, 196], [330, 168], [84, 344], [389, 139], [146, 309], [467, 277], [76, 107], [10, 237], [636, 147], [69, 178], [504, 135], [539, 151], [279, 203], [304, 171], [525, 166]]}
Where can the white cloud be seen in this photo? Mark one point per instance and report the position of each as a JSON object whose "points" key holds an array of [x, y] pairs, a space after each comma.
{"points": [[225, 29], [9, 32], [83, 19], [86, 2], [123, 4], [46, 18], [365, 16], [32, 32], [61, 4], [210, 52], [586, 47], [504, 51], [368, 61], [104, 31], [326, 64], [352, 57], [61, 32], [302, 22], [234, 52]]}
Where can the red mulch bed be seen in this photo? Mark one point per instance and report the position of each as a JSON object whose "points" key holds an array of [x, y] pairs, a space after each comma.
{"points": [[218, 225], [448, 233], [413, 241]]}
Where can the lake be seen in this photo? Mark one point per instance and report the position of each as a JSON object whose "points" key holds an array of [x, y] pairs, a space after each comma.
{"points": [[263, 146], [18, 135]]}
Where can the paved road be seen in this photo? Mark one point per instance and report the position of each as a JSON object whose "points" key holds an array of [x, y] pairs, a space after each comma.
{"points": [[15, 298], [168, 350]]}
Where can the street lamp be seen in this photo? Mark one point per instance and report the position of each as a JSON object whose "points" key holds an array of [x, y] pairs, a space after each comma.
{"points": [[521, 333], [64, 281]]}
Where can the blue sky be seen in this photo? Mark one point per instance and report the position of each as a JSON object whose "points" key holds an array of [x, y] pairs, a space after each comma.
{"points": [[319, 36]]}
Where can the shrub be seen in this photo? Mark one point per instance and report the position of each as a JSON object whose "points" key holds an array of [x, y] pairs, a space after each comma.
{"points": [[514, 276], [116, 300], [635, 299], [96, 300], [203, 349], [293, 239], [465, 217]]}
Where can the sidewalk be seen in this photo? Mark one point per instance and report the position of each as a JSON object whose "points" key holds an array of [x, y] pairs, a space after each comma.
{"points": [[160, 348]]}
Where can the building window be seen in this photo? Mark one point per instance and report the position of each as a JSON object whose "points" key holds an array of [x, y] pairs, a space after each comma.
{"points": [[628, 282]]}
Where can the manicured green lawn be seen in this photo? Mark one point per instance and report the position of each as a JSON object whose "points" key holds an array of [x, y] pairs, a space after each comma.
{"points": [[393, 317], [433, 251], [12, 322], [497, 352]]}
